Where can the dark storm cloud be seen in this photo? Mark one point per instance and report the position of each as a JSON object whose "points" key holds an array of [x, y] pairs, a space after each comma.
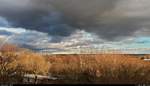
{"points": [[60, 18], [3, 22], [32, 15]]}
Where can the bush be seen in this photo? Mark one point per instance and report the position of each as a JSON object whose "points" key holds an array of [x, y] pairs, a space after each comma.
{"points": [[106, 68]]}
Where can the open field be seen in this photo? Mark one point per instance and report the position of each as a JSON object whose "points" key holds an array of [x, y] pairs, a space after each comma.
{"points": [[74, 68], [101, 68]]}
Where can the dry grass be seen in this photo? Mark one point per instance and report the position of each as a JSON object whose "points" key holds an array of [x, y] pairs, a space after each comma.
{"points": [[93, 68], [146, 57], [106, 68]]}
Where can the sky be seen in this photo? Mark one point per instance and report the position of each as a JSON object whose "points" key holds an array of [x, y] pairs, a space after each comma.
{"points": [[73, 25]]}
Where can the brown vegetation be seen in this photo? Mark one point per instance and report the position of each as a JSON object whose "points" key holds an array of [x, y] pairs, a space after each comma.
{"points": [[33, 63], [92, 68], [14, 64], [9, 48], [103, 68], [146, 57]]}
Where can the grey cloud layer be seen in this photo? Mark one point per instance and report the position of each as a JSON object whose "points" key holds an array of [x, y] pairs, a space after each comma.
{"points": [[109, 19]]}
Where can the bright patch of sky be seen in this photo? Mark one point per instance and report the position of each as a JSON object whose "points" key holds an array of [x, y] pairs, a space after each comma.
{"points": [[13, 30]]}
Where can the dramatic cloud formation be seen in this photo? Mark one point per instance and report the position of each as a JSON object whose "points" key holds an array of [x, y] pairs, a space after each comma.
{"points": [[74, 24], [110, 20]]}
